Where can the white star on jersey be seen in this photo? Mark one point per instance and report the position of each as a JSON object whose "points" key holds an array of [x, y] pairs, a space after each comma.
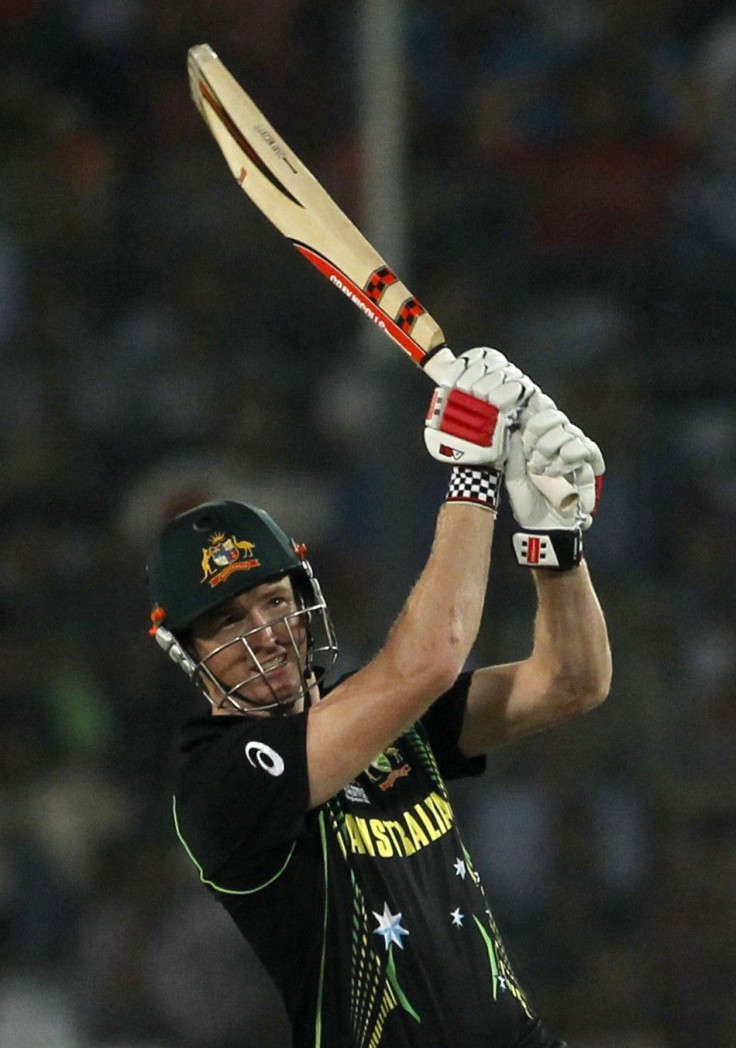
{"points": [[460, 868], [389, 926], [457, 918]]}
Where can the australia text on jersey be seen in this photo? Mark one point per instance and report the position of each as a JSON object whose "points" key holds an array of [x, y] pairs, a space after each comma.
{"points": [[427, 821]]}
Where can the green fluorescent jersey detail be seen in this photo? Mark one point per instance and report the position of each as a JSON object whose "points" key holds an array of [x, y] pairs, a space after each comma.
{"points": [[216, 887]]}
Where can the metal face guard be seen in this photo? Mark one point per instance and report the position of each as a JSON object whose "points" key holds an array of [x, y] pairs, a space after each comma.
{"points": [[307, 634]]}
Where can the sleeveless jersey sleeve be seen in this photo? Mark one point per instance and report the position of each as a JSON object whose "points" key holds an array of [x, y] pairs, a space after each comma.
{"points": [[242, 794], [443, 723]]}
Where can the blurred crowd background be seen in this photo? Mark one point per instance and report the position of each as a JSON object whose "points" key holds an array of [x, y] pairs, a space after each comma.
{"points": [[570, 185]]}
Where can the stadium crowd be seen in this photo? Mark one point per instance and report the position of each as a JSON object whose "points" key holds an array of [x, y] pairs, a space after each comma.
{"points": [[572, 201]]}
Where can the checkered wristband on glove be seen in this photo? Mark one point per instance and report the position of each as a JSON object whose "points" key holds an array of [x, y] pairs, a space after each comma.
{"points": [[482, 487], [560, 550]]}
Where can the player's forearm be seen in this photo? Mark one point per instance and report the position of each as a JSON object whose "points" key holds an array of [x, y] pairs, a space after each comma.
{"points": [[434, 633], [570, 638]]}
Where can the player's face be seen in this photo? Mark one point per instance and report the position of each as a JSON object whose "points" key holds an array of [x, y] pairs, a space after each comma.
{"points": [[255, 642]]}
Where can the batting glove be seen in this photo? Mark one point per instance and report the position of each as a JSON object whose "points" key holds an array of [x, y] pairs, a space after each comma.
{"points": [[471, 413], [548, 444]]}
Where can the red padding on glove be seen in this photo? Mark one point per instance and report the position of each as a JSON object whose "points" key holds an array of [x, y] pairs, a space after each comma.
{"points": [[469, 419]]}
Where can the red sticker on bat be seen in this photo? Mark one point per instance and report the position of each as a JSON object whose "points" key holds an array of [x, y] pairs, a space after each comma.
{"points": [[359, 298]]}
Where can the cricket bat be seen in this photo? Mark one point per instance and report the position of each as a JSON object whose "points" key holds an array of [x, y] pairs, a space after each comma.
{"points": [[291, 198]]}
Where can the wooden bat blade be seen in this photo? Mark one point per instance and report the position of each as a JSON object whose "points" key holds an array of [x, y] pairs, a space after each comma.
{"points": [[284, 190], [287, 193]]}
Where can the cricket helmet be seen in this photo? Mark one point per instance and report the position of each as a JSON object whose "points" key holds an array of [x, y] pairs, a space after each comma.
{"points": [[214, 552]]}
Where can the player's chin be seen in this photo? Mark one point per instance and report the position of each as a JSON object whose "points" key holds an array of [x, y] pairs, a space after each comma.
{"points": [[283, 685]]}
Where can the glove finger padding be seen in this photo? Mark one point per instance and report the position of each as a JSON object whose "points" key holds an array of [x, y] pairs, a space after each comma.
{"points": [[594, 454], [553, 445], [540, 423], [558, 451], [490, 360], [507, 388], [537, 403]]}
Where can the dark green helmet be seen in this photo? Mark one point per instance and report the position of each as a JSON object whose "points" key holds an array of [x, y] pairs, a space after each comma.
{"points": [[211, 553], [217, 551]]}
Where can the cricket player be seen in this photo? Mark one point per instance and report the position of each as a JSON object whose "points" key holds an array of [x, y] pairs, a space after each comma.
{"points": [[318, 816]]}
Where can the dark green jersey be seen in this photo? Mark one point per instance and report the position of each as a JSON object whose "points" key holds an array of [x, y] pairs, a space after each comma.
{"points": [[366, 911]]}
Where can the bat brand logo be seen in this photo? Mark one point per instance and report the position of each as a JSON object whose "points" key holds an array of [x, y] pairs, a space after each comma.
{"points": [[262, 756], [271, 141], [269, 138], [347, 290], [224, 556]]}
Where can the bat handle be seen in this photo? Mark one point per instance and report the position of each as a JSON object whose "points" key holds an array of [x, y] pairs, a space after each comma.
{"points": [[560, 492]]}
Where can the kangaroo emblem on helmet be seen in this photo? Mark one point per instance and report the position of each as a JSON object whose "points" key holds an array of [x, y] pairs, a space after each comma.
{"points": [[223, 554]]}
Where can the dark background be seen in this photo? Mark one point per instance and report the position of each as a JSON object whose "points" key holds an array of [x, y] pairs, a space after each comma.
{"points": [[570, 186]]}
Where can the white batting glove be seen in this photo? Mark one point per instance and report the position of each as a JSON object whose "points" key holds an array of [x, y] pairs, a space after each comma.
{"points": [[553, 446], [471, 413], [550, 445]]}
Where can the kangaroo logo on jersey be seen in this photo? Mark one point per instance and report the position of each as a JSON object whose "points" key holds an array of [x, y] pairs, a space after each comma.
{"points": [[387, 767], [224, 556]]}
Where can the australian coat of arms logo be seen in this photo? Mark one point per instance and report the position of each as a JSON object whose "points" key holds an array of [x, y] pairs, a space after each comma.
{"points": [[224, 556]]}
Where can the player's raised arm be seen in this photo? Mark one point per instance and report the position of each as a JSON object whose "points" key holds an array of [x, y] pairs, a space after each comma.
{"points": [[423, 654], [569, 669], [428, 645]]}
